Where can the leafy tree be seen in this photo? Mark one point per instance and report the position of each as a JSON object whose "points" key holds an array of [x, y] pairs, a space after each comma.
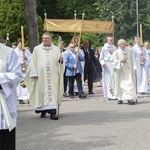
{"points": [[11, 19], [146, 21], [124, 15]]}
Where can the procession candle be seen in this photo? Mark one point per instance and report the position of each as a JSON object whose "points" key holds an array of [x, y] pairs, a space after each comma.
{"points": [[22, 37], [141, 37]]}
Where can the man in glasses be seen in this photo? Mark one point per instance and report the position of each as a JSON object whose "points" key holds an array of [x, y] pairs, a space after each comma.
{"points": [[124, 66], [74, 70], [44, 78]]}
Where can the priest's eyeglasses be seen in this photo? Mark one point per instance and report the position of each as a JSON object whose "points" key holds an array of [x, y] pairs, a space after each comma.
{"points": [[45, 38]]}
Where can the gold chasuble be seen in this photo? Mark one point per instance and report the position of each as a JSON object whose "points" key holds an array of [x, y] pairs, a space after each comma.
{"points": [[47, 89]]}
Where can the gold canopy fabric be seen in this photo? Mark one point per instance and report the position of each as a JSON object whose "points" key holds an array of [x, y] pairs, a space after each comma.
{"points": [[70, 25]]}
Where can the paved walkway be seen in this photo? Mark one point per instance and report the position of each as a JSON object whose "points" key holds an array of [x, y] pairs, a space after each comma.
{"points": [[87, 124]]}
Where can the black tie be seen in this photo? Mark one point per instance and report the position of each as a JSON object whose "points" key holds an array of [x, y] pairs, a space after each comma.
{"points": [[87, 53]]}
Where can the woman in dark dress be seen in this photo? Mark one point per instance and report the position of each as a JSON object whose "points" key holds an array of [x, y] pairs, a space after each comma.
{"points": [[98, 69]]}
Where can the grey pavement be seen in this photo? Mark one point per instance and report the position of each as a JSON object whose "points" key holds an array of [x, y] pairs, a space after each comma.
{"points": [[87, 124]]}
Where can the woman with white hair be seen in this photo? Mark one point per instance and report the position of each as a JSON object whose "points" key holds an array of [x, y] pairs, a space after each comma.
{"points": [[124, 69]]}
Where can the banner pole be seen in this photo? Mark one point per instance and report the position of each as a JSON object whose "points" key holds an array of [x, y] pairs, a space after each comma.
{"points": [[112, 17], [83, 14]]}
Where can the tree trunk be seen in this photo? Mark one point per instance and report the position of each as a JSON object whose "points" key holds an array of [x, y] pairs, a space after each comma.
{"points": [[32, 23]]}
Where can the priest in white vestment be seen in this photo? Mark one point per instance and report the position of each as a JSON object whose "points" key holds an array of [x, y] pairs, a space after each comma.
{"points": [[24, 59], [124, 70], [142, 59], [10, 76], [44, 78], [146, 47], [107, 78]]}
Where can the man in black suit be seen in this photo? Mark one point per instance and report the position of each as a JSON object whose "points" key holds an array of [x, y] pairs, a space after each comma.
{"points": [[89, 65]]}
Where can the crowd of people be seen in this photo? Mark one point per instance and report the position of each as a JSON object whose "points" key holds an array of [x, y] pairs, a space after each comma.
{"points": [[122, 71], [86, 64], [51, 72]]}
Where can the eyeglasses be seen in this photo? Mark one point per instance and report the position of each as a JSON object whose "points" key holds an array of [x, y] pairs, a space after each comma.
{"points": [[45, 38]]}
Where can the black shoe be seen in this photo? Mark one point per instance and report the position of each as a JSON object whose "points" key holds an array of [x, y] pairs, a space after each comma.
{"points": [[72, 96], [65, 95], [120, 102], [91, 92], [82, 96], [43, 115], [21, 102], [76, 93], [143, 93], [54, 117], [131, 102], [112, 99]]}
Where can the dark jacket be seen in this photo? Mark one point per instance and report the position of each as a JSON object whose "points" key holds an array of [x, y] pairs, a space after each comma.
{"points": [[89, 59]]}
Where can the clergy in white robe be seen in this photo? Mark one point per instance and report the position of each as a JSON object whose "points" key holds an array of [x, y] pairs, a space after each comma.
{"points": [[44, 78], [107, 78], [142, 59], [10, 76], [146, 47], [24, 58], [124, 70]]}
